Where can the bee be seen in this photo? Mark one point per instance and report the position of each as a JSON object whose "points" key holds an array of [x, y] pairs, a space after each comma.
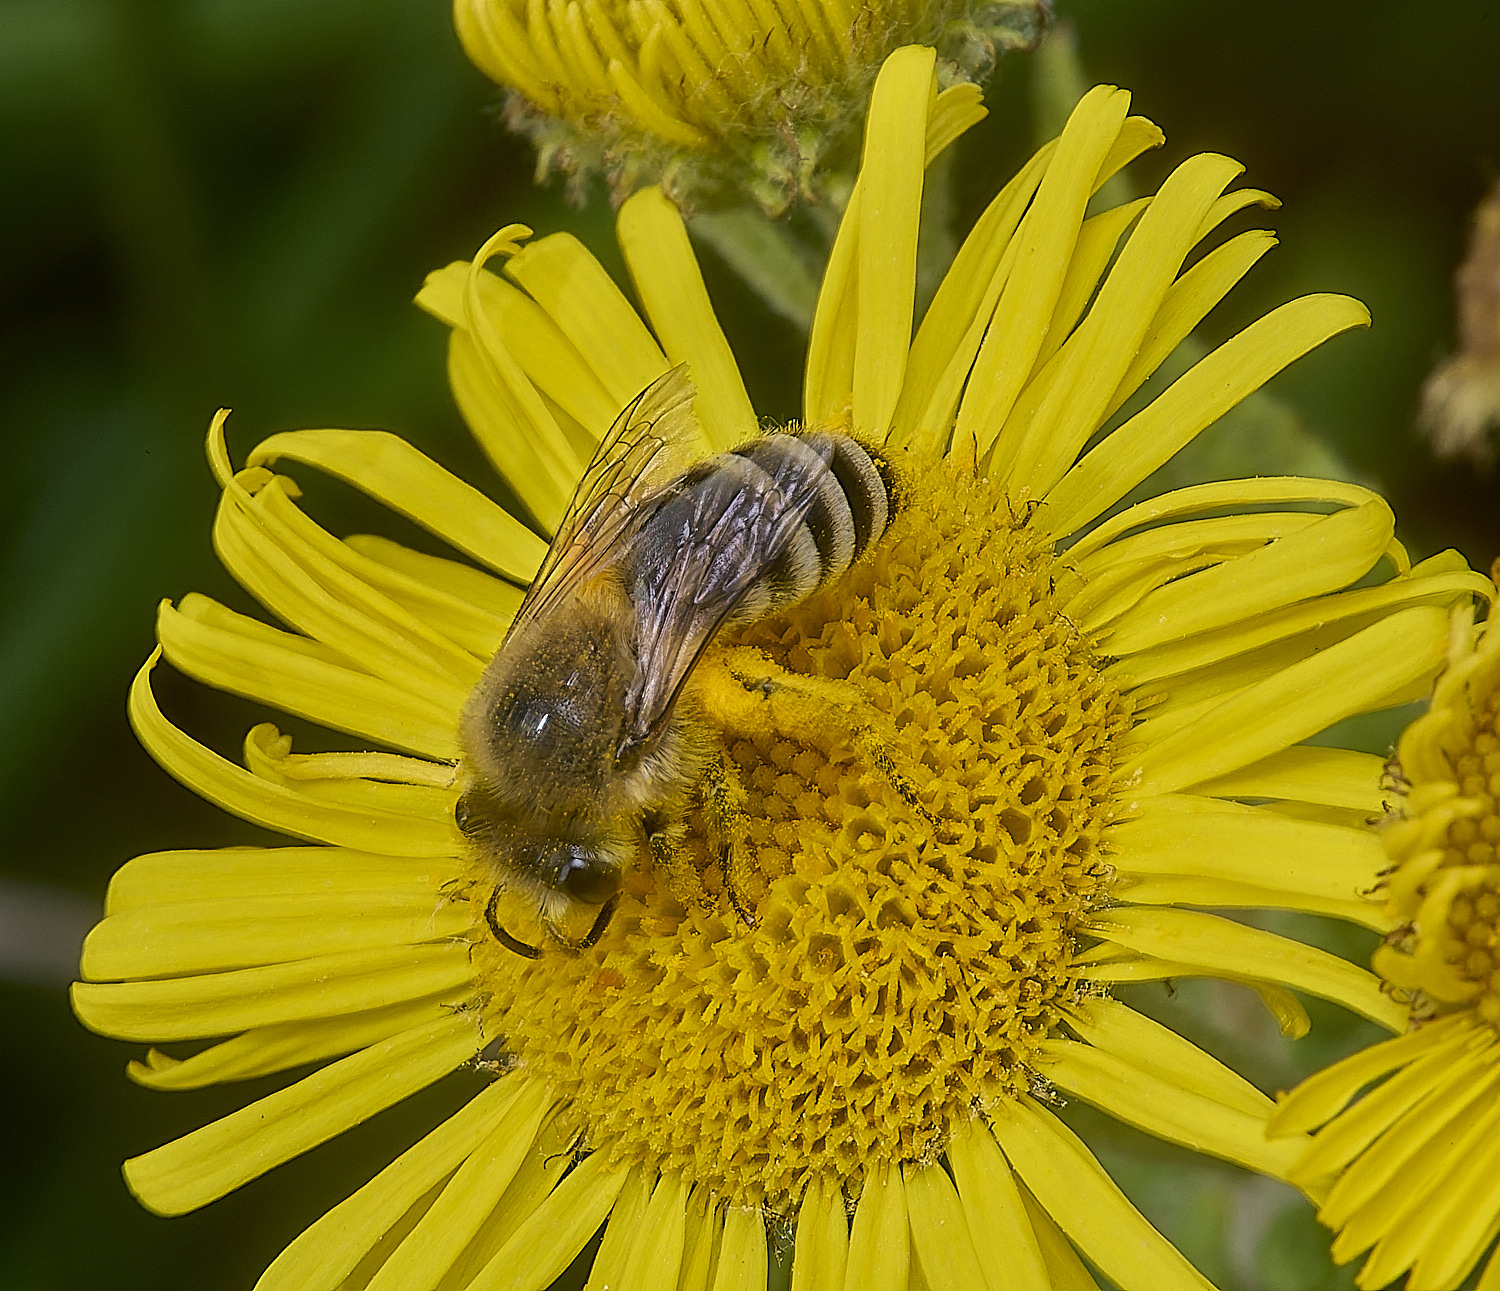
{"points": [[577, 744]]}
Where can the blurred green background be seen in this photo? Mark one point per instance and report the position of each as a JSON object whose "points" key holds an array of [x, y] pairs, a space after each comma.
{"points": [[232, 202]]}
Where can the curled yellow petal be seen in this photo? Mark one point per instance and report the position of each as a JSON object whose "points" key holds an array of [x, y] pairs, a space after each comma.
{"points": [[204, 1165]]}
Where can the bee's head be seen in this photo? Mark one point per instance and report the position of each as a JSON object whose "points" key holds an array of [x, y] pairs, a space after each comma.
{"points": [[577, 870], [568, 858]]}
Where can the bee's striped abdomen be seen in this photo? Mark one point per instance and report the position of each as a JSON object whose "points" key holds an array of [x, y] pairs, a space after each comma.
{"points": [[848, 511]]}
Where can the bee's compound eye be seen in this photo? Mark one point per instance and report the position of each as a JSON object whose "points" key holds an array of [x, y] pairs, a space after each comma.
{"points": [[582, 877], [463, 815]]}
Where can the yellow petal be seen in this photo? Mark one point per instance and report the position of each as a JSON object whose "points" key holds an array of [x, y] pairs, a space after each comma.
{"points": [[955, 322], [204, 1165], [1435, 1086], [336, 779], [538, 1176], [239, 654], [954, 110], [1035, 452], [547, 1241], [271, 805], [565, 280], [212, 936], [442, 623], [518, 430], [1195, 400], [418, 775], [267, 1050], [1463, 1221], [469, 1197], [656, 1255], [1224, 947], [1116, 577], [1065, 1271], [1004, 1241], [623, 1229], [1490, 1280], [705, 1232], [1346, 611], [828, 385], [300, 586], [891, 172], [1174, 889], [1163, 1108], [497, 44], [1074, 1189], [393, 472], [1186, 304], [879, 1252], [1097, 240], [1045, 242], [1321, 558], [742, 1252], [821, 1254], [1138, 135], [1116, 1029], [164, 878], [1334, 777], [1207, 839], [1271, 491], [187, 1008], [539, 480], [650, 114], [1453, 1171], [495, 599], [828, 379], [326, 1253], [1325, 1093], [667, 279], [1108, 963], [1355, 675], [940, 1240], [1231, 204]]}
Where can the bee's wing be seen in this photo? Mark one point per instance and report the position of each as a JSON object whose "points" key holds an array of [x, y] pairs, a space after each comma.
{"points": [[705, 549], [606, 507]]}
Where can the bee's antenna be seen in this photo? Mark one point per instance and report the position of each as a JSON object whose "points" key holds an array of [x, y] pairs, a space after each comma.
{"points": [[503, 937]]}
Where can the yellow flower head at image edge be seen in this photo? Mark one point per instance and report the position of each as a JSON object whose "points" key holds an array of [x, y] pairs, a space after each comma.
{"points": [[1094, 733], [723, 101], [1412, 1169]]}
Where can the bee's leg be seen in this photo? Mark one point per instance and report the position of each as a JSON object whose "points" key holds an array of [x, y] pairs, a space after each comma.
{"points": [[492, 918], [666, 836], [877, 752], [724, 812], [744, 692], [590, 938]]}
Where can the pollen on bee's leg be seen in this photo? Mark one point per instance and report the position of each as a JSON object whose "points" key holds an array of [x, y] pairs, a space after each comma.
{"points": [[724, 797], [815, 711], [672, 858], [882, 757]]}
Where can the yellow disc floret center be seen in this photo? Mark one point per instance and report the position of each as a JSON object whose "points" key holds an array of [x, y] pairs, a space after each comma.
{"points": [[905, 961]]}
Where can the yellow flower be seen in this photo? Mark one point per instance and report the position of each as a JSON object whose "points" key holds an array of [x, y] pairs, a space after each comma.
{"points": [[1412, 1170], [1102, 719], [723, 101]]}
